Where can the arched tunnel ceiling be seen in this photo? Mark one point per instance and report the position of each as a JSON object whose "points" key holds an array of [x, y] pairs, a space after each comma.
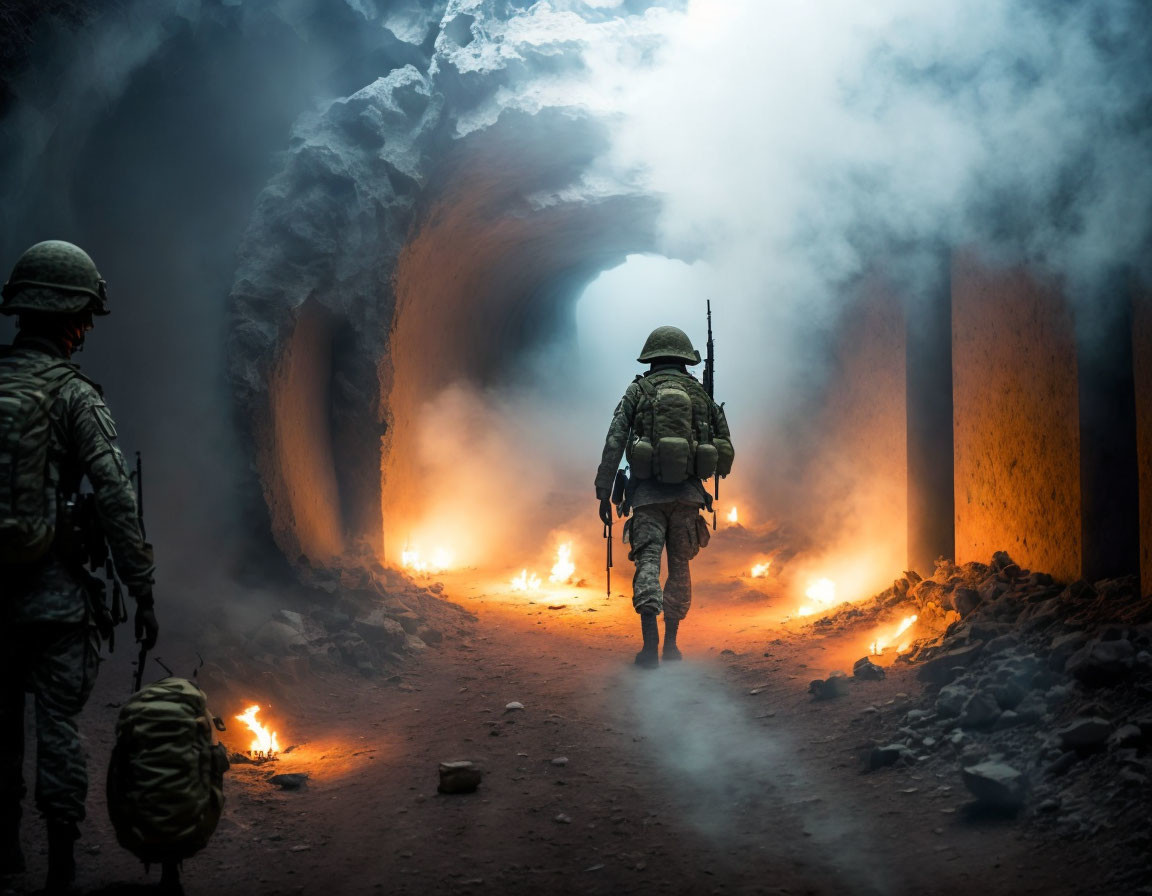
{"points": [[420, 231]]}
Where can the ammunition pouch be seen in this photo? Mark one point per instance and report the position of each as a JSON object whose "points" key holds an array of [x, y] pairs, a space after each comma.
{"points": [[640, 458], [725, 455], [673, 459], [707, 458]]}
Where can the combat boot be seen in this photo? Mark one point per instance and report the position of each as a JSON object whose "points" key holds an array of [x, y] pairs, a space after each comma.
{"points": [[11, 855], [671, 651], [62, 837], [649, 656]]}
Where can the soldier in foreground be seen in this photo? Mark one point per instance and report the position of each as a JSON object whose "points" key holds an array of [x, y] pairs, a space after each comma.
{"points": [[674, 436], [55, 430]]}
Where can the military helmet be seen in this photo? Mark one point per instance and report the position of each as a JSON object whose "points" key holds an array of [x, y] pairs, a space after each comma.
{"points": [[669, 342], [55, 277]]}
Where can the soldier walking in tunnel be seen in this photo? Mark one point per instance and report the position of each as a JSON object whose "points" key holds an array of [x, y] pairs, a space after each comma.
{"points": [[675, 436], [55, 430]]}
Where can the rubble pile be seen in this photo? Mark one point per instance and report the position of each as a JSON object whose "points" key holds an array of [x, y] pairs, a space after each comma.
{"points": [[1038, 697], [360, 616]]}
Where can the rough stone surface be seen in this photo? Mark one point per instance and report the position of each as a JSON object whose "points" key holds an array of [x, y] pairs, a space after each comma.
{"points": [[459, 776], [996, 784], [1084, 733]]}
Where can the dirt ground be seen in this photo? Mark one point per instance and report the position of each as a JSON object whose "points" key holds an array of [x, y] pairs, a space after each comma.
{"points": [[716, 775]]}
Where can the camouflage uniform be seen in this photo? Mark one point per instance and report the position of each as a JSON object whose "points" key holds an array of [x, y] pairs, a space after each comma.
{"points": [[48, 640], [666, 516]]}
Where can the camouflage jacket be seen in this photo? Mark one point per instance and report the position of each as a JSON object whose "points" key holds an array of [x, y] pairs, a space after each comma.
{"points": [[83, 445], [651, 491]]}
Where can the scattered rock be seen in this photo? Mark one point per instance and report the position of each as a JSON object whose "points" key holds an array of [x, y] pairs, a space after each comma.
{"points": [[1100, 663], [835, 685], [980, 711], [867, 670], [514, 706], [951, 700], [459, 776], [560, 761], [292, 781], [996, 785], [1084, 733], [942, 669], [882, 757], [562, 819]]}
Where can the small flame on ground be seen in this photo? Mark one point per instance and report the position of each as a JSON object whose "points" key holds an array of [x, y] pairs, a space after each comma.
{"points": [[760, 570], [412, 559], [881, 644], [526, 581], [265, 741], [822, 593], [733, 516], [564, 568]]}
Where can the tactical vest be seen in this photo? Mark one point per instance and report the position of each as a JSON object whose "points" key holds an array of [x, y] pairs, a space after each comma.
{"points": [[672, 439]]}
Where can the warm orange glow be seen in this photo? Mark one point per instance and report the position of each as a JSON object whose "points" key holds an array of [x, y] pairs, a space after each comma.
{"points": [[822, 594], [412, 560], [881, 644], [733, 516], [526, 581], [265, 741], [564, 568], [760, 570]]}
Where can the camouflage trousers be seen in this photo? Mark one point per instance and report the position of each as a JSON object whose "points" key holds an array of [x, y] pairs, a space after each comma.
{"points": [[652, 529], [57, 664]]}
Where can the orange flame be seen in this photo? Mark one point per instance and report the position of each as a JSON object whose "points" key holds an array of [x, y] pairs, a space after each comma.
{"points": [[733, 516], [760, 570], [265, 740], [822, 593], [412, 559], [881, 644], [564, 568], [526, 582]]}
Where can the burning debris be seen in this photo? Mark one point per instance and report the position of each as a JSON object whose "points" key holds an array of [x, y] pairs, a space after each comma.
{"points": [[265, 743], [413, 561], [1036, 699], [821, 594], [760, 570], [881, 644], [563, 569], [526, 581]]}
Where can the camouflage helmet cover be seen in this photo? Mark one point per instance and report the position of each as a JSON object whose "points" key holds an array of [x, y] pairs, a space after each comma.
{"points": [[55, 277], [669, 342]]}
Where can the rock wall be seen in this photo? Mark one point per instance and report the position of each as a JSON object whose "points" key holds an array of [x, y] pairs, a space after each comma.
{"points": [[1016, 420], [438, 221]]}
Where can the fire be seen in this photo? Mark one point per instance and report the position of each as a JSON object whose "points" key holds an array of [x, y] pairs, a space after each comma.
{"points": [[526, 581], [760, 570], [881, 644], [412, 559], [733, 516], [265, 742], [564, 568], [822, 593]]}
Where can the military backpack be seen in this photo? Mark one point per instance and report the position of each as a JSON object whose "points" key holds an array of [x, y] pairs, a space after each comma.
{"points": [[28, 487], [672, 438], [166, 777]]}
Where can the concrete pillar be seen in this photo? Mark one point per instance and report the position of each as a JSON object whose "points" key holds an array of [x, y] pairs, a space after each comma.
{"points": [[1142, 377], [1017, 437], [1109, 473], [931, 509]]}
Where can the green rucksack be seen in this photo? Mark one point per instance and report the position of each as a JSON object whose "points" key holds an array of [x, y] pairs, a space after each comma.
{"points": [[27, 484], [166, 777]]}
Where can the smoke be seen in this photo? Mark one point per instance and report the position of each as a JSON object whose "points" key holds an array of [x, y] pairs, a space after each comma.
{"points": [[725, 767], [798, 148], [144, 134]]}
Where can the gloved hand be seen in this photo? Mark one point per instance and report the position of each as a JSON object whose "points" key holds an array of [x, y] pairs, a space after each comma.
{"points": [[606, 511], [147, 628]]}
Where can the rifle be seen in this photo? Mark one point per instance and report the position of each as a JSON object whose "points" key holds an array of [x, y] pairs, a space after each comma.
{"points": [[138, 480], [619, 493], [710, 388]]}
